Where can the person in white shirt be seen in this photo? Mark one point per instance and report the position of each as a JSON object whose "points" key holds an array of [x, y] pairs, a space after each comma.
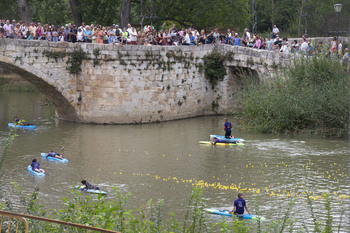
{"points": [[24, 30], [303, 47], [187, 39], [247, 34], [8, 28], [228, 34], [340, 48], [132, 35], [275, 31], [284, 47]]}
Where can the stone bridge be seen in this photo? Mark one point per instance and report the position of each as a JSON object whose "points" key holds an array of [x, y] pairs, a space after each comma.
{"points": [[108, 84]]}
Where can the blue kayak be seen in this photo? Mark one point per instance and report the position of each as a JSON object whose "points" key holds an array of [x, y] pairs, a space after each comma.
{"points": [[29, 168], [227, 140], [227, 213], [21, 126], [63, 160], [94, 191]]}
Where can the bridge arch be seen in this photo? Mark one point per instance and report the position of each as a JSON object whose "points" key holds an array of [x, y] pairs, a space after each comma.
{"points": [[63, 108]]}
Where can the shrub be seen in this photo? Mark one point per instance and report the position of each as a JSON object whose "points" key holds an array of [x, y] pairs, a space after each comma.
{"points": [[214, 68]]}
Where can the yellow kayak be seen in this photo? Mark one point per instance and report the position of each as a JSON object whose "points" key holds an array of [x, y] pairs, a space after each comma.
{"points": [[221, 143]]}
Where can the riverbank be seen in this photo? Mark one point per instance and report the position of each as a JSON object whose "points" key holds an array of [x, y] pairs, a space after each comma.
{"points": [[310, 98], [13, 83], [113, 214]]}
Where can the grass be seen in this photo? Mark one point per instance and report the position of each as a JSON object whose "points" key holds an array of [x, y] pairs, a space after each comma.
{"points": [[313, 97], [112, 214]]}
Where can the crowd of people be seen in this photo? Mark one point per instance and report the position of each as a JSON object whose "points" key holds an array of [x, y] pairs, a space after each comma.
{"points": [[168, 36]]}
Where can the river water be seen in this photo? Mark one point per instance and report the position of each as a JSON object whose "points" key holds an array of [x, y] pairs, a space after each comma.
{"points": [[165, 160]]}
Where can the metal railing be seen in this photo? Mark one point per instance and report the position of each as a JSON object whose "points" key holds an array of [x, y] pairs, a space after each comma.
{"points": [[22, 217], [10, 216]]}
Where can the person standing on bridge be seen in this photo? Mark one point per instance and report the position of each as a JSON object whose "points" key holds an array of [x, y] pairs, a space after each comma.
{"points": [[275, 32], [8, 29]]}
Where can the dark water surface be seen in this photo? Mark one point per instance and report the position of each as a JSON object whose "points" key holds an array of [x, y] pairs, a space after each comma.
{"points": [[165, 160]]}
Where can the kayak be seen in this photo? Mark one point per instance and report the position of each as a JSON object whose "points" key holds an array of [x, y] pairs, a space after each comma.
{"points": [[228, 140], [94, 191], [22, 126], [29, 168], [227, 213], [222, 143], [64, 160]]}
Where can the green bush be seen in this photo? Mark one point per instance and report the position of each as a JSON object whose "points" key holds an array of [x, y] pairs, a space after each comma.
{"points": [[312, 97], [214, 68]]}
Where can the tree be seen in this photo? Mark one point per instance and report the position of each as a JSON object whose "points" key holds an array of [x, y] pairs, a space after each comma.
{"points": [[74, 6], [204, 14], [24, 10], [125, 13], [50, 11]]}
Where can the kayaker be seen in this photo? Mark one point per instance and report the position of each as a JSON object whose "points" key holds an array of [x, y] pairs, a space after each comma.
{"points": [[55, 155], [227, 128], [239, 205], [16, 120], [20, 122], [36, 166], [87, 185], [216, 140]]}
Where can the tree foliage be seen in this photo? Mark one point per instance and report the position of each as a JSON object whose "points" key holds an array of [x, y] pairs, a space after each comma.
{"points": [[205, 13], [321, 18], [201, 14], [50, 11]]}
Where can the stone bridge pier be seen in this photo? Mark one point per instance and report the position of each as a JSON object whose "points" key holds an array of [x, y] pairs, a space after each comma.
{"points": [[108, 84]]}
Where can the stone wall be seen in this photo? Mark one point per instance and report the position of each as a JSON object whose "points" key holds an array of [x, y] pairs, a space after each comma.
{"points": [[138, 84], [133, 84]]}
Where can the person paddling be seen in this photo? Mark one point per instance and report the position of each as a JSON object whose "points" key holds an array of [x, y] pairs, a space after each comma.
{"points": [[56, 155], [239, 205], [87, 185], [20, 122], [36, 166], [216, 140], [16, 120]]}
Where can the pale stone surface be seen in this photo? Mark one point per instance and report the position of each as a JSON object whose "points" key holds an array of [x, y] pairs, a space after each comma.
{"points": [[133, 84]]}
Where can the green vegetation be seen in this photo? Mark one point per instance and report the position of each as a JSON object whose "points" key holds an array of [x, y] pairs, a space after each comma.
{"points": [[9, 85], [313, 97], [55, 54], [75, 60], [112, 214], [11, 136], [214, 105], [214, 68]]}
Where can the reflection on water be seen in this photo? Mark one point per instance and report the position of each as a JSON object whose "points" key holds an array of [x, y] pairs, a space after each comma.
{"points": [[165, 160]]}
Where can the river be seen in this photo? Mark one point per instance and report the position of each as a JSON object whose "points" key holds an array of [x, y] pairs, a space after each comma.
{"points": [[165, 160]]}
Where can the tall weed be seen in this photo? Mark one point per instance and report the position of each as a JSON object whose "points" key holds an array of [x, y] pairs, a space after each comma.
{"points": [[313, 97]]}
